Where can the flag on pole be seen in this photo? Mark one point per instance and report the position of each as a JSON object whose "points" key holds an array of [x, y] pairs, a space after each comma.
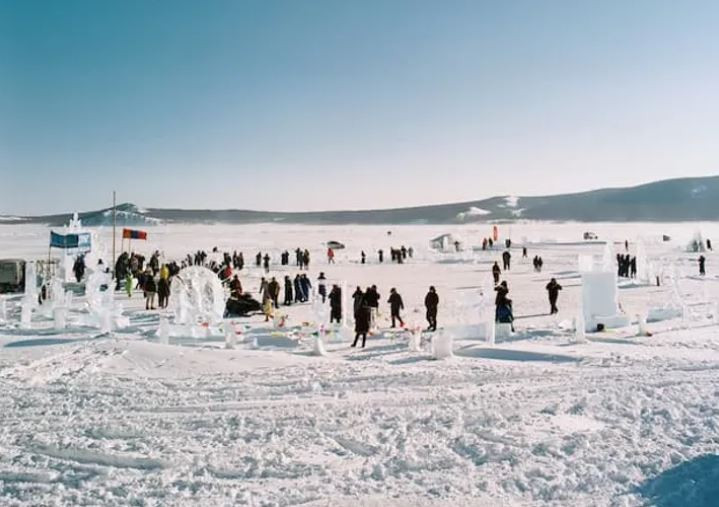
{"points": [[133, 234], [81, 241]]}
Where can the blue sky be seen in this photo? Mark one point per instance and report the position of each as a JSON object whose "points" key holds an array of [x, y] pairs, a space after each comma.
{"points": [[308, 105]]}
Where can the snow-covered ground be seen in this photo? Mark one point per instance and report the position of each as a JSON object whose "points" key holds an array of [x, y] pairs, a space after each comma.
{"points": [[120, 419]]}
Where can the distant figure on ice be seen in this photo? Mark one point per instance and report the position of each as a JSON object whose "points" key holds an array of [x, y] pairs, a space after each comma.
{"points": [[496, 271], [235, 287], [335, 298], [163, 292], [524, 252], [395, 305], [150, 288], [266, 262], [380, 255], [503, 305], [506, 258], [358, 300], [363, 257], [298, 289], [274, 288], [709, 244], [508, 243], [306, 286], [321, 287], [702, 268], [306, 259], [79, 268], [553, 289], [410, 252], [431, 302], [330, 256], [128, 284], [626, 245], [258, 259], [267, 305], [362, 324], [288, 291], [371, 298], [456, 246]]}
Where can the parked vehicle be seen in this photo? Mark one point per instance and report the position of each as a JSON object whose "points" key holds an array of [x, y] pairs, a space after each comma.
{"points": [[590, 236], [12, 276], [335, 245]]}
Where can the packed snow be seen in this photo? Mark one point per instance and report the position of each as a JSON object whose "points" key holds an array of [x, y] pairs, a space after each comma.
{"points": [[247, 413]]}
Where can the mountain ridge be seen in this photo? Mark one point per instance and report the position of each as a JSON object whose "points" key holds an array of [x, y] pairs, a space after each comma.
{"points": [[678, 199]]}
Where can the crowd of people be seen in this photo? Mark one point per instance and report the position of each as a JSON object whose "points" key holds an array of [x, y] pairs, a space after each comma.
{"points": [[153, 277]]}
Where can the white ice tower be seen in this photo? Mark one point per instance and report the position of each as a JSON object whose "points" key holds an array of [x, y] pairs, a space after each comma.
{"points": [[600, 303]]}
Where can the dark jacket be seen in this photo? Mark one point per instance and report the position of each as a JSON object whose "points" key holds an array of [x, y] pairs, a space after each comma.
{"points": [[335, 297], [395, 302], [553, 289], [431, 301], [362, 320]]}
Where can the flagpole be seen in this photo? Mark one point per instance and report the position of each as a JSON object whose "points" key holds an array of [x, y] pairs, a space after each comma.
{"points": [[114, 224]]}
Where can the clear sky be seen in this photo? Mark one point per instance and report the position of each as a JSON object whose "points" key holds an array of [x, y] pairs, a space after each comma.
{"points": [[349, 104]]}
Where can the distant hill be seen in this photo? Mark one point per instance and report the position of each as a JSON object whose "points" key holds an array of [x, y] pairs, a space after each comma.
{"points": [[677, 200]]}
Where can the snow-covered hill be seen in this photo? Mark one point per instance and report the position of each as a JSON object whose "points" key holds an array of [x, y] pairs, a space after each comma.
{"points": [[686, 199]]}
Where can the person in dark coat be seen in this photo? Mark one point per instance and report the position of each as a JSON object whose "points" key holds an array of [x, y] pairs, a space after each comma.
{"points": [[79, 268], [395, 305], [503, 305], [266, 262], [321, 287], [298, 289], [163, 292], [288, 291], [150, 288], [372, 298], [380, 255], [335, 298], [431, 302], [362, 324], [506, 258], [274, 288], [496, 271], [305, 285], [553, 289], [358, 298], [258, 259], [524, 252], [235, 287], [702, 265], [363, 257]]}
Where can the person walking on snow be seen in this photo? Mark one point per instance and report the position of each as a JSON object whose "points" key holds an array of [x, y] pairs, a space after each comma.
{"points": [[362, 324], [702, 268], [431, 302], [553, 289], [395, 305], [335, 298], [321, 287], [358, 298], [330, 256], [506, 257], [288, 291], [496, 271], [150, 289]]}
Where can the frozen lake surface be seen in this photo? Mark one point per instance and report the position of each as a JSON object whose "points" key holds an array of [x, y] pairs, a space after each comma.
{"points": [[120, 419]]}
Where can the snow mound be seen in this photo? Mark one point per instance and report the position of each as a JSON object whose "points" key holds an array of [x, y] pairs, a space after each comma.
{"points": [[473, 212], [512, 201]]}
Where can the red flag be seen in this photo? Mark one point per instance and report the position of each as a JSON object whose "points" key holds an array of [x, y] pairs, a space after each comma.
{"points": [[133, 234]]}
